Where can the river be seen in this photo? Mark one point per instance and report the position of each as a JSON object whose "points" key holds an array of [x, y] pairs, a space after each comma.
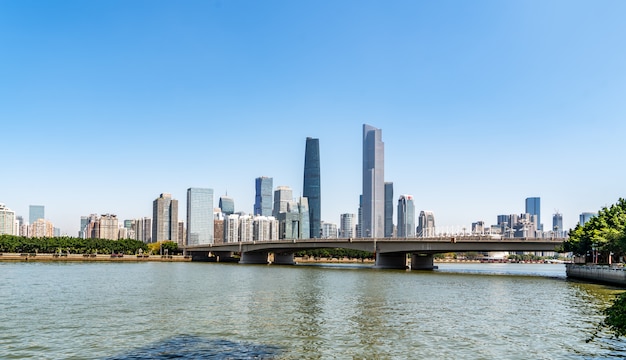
{"points": [[230, 311]]}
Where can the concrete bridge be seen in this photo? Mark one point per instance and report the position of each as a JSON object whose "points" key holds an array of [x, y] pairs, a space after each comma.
{"points": [[390, 252]]}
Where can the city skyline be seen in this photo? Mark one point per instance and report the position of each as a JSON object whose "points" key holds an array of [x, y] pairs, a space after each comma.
{"points": [[465, 97]]}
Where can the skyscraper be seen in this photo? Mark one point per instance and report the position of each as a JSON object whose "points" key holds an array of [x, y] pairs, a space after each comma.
{"points": [[227, 204], [557, 224], [165, 219], [199, 216], [7, 221], [426, 225], [263, 197], [586, 216], [373, 206], [282, 196], [406, 216], [533, 207], [35, 212], [348, 226], [388, 209], [312, 185]]}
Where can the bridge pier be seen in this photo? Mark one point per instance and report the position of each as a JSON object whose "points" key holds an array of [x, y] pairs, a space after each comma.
{"points": [[283, 259], [390, 261], [254, 257], [422, 262], [224, 256]]}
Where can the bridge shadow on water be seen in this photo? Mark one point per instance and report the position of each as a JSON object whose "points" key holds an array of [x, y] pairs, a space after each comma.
{"points": [[189, 347]]}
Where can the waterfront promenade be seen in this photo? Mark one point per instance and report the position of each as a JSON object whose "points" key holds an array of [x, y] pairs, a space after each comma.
{"points": [[91, 257]]}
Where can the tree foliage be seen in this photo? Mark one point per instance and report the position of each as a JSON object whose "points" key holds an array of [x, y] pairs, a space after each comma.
{"points": [[606, 232], [338, 253], [615, 316], [19, 244]]}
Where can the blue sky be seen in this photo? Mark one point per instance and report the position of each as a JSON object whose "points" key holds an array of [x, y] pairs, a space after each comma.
{"points": [[106, 104]]}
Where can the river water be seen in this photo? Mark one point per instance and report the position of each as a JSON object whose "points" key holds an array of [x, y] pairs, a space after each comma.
{"points": [[230, 311]]}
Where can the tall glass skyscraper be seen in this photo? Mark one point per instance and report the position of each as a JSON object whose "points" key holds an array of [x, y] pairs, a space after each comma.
{"points": [[35, 212], [312, 185], [165, 219], [533, 207], [227, 205], [557, 224], [406, 216], [199, 216], [263, 198], [388, 209], [373, 205]]}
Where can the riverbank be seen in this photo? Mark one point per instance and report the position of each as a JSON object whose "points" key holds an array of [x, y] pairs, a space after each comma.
{"points": [[91, 257], [607, 274]]}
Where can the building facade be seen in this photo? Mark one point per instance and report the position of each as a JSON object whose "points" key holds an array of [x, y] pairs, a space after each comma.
{"points": [[165, 219], [347, 223], [263, 196], [426, 224], [533, 207], [200, 227], [283, 195], [586, 216], [312, 186], [227, 205], [406, 216], [7, 221], [36, 212], [373, 206], [388, 209]]}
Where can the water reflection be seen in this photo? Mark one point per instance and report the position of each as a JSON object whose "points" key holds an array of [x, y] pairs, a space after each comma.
{"points": [[189, 347]]}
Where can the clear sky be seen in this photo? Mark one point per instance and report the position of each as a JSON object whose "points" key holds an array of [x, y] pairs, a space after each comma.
{"points": [[106, 104]]}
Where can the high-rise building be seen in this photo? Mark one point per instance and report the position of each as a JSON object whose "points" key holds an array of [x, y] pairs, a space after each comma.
{"points": [[533, 207], [294, 222], [406, 216], [373, 183], [36, 212], [586, 216], [557, 224], [109, 227], [348, 226], [359, 219], [200, 225], [388, 209], [312, 186], [41, 228], [282, 197], [329, 230], [263, 196], [265, 228], [7, 221], [165, 219], [426, 224], [182, 234], [231, 228], [478, 228], [227, 205]]}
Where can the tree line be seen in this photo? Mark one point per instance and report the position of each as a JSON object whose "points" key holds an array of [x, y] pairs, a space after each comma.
{"points": [[72, 245]]}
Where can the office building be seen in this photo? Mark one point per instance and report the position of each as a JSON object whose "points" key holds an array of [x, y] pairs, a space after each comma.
{"points": [[283, 195], [388, 209], [200, 225], [557, 225], [109, 227], [533, 207], [294, 222], [312, 186], [329, 230], [227, 205], [585, 217], [426, 224], [359, 219], [36, 212], [165, 219], [478, 228], [347, 222], [373, 206], [7, 221], [406, 216], [263, 196]]}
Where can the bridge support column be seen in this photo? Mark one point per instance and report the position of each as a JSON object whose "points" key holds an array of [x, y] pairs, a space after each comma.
{"points": [[283, 259], [390, 261], [422, 262], [224, 256], [254, 258]]}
